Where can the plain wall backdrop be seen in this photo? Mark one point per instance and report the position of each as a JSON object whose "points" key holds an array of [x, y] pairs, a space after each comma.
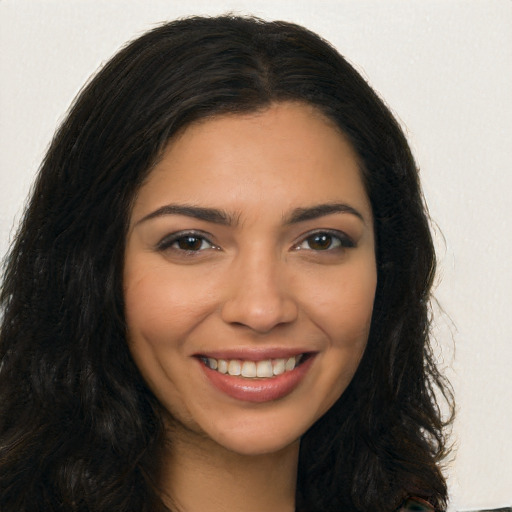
{"points": [[444, 67]]}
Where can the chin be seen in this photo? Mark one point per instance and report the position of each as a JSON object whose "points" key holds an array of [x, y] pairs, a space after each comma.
{"points": [[253, 445], [260, 430]]}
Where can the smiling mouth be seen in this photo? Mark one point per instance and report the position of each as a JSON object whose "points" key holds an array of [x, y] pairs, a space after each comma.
{"points": [[264, 369]]}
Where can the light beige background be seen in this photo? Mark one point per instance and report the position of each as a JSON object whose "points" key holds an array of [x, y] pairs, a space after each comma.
{"points": [[445, 67]]}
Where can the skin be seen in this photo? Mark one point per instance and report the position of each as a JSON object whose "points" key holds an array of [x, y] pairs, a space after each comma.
{"points": [[254, 282]]}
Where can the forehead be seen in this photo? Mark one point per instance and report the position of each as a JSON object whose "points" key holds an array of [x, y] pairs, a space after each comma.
{"points": [[284, 155]]}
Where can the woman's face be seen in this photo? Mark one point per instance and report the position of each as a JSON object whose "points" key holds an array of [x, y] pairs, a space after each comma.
{"points": [[251, 250]]}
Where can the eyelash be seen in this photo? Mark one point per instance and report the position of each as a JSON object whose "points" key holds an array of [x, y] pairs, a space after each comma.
{"points": [[168, 242], [340, 239], [337, 241]]}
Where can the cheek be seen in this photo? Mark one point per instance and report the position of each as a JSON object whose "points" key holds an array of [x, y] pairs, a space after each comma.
{"points": [[344, 306], [159, 317], [162, 307], [342, 309]]}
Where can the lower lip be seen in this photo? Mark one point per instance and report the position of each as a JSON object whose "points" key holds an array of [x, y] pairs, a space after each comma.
{"points": [[258, 390]]}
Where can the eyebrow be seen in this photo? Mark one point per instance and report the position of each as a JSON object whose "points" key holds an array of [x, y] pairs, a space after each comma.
{"points": [[197, 212], [218, 216], [321, 210]]}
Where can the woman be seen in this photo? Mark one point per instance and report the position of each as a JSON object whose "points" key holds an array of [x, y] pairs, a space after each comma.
{"points": [[218, 297]]}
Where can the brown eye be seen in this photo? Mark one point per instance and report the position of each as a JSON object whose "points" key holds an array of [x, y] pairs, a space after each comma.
{"points": [[325, 241], [190, 243], [322, 241], [185, 242]]}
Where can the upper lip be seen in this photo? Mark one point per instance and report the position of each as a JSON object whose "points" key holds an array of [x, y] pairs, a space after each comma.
{"points": [[253, 353]]}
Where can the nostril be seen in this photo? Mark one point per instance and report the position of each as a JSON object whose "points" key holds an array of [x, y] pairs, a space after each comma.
{"points": [[260, 318]]}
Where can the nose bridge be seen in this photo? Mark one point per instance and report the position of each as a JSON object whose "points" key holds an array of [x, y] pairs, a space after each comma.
{"points": [[259, 297]]}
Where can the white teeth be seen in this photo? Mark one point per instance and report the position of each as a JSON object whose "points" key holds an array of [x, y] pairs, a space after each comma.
{"points": [[234, 367], [249, 369], [222, 366], [279, 366], [252, 369], [264, 369], [290, 364]]}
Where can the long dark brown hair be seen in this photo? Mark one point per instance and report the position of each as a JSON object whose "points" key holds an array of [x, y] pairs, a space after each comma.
{"points": [[79, 430]]}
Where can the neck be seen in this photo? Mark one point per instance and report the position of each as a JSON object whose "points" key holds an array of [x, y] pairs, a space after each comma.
{"points": [[202, 476]]}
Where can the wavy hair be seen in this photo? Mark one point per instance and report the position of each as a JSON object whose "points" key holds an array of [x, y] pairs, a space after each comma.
{"points": [[79, 429]]}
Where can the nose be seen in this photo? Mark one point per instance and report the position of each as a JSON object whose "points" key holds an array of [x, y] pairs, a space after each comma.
{"points": [[258, 296]]}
